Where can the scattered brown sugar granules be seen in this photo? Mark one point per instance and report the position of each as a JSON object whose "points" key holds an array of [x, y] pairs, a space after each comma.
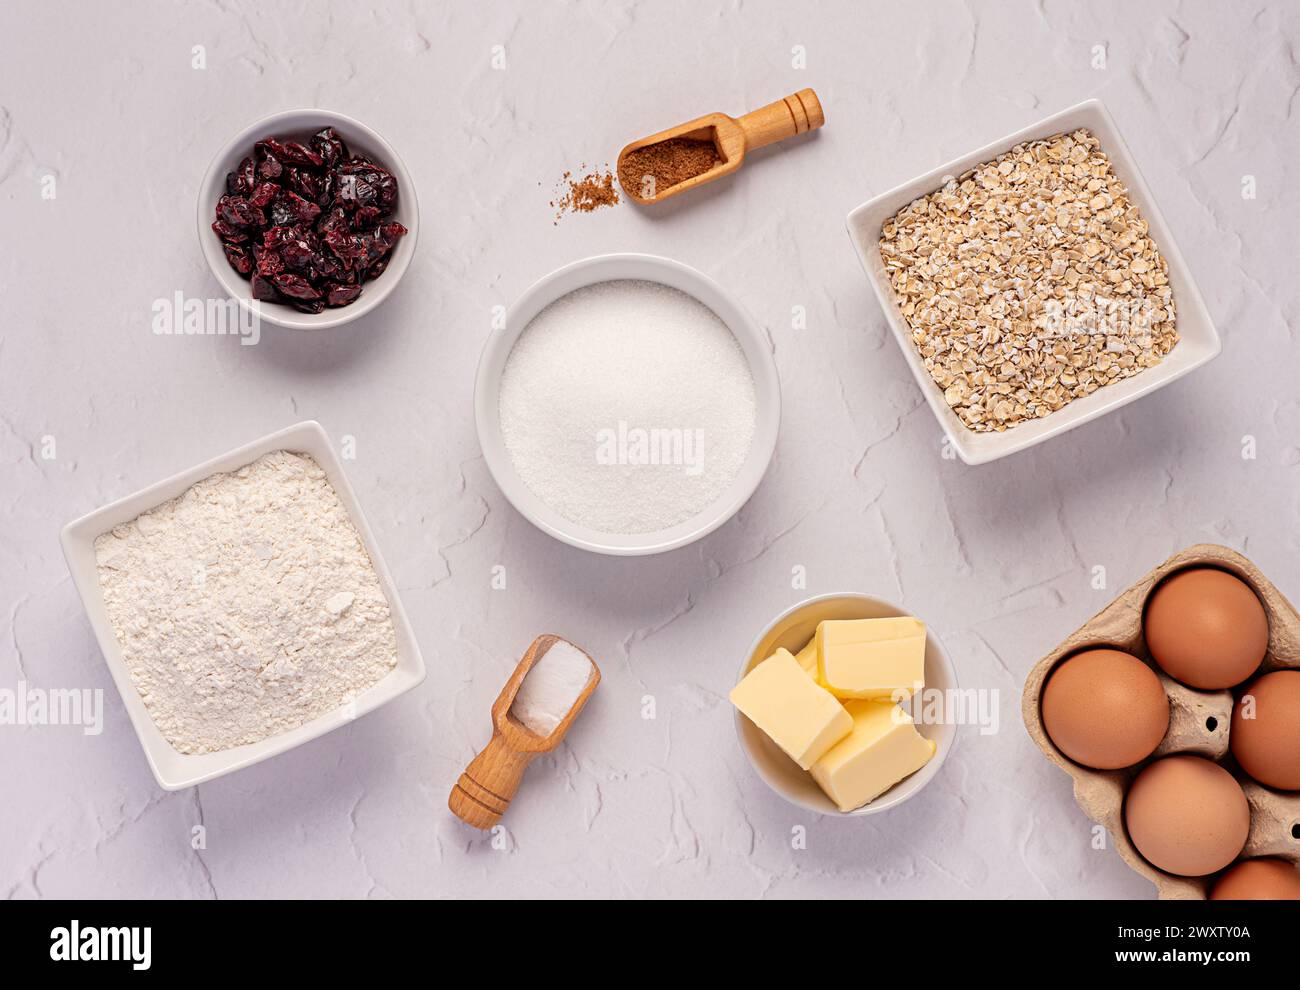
{"points": [[592, 191], [656, 167]]}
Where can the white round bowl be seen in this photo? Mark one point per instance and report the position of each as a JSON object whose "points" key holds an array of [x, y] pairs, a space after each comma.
{"points": [[605, 268], [299, 125], [791, 630]]}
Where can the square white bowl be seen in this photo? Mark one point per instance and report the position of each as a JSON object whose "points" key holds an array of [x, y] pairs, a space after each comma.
{"points": [[174, 770], [1199, 342]]}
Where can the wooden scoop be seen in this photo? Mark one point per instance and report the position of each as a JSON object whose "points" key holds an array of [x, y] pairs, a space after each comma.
{"points": [[795, 114], [484, 790]]}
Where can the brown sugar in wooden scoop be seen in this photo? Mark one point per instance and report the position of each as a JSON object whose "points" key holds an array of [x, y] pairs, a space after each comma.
{"points": [[668, 163], [654, 168]]}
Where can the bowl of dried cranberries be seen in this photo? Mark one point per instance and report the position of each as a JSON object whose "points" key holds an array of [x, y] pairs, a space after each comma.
{"points": [[309, 217]]}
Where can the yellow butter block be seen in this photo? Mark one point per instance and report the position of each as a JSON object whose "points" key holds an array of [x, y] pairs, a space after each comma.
{"points": [[883, 748], [807, 657], [882, 659], [802, 718]]}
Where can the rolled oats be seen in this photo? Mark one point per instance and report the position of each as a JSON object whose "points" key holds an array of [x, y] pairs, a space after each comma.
{"points": [[1030, 281]]}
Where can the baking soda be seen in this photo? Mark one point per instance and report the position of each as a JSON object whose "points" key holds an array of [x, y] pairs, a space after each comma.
{"points": [[551, 687], [627, 406]]}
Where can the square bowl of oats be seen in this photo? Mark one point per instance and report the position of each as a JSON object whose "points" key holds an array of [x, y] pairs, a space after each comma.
{"points": [[1033, 285]]}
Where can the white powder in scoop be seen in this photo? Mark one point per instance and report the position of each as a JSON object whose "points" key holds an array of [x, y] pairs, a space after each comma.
{"points": [[246, 606], [550, 688], [627, 406]]}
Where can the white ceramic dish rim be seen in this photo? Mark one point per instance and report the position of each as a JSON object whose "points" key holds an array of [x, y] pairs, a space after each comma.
{"points": [[905, 789], [174, 770], [1200, 341], [296, 123], [605, 268]]}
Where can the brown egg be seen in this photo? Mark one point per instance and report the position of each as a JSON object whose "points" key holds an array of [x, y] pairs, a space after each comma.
{"points": [[1259, 880], [1265, 734], [1105, 709], [1187, 816], [1206, 628]]}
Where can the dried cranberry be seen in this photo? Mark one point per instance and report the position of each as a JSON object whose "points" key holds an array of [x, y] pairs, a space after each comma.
{"points": [[372, 249], [329, 146], [239, 258], [297, 254], [305, 184], [327, 267], [385, 238], [366, 216], [327, 185], [264, 194], [273, 237], [308, 305], [364, 249], [377, 179], [269, 263], [228, 232], [300, 154], [292, 152], [299, 208], [345, 246], [377, 269], [239, 212], [269, 167], [295, 286], [340, 295], [241, 181], [264, 289], [335, 219], [353, 190]]}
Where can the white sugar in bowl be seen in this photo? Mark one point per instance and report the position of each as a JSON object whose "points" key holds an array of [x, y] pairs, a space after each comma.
{"points": [[600, 456]]}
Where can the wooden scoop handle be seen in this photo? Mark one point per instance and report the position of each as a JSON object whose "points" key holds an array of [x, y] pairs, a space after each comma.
{"points": [[484, 790], [795, 114]]}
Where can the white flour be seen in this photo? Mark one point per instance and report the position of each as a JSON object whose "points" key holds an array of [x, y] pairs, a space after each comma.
{"points": [[246, 606], [627, 406]]}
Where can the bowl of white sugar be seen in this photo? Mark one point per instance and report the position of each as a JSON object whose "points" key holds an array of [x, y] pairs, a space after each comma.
{"points": [[630, 405]]}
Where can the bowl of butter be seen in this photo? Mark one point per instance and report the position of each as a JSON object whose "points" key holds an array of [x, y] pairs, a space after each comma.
{"points": [[844, 705]]}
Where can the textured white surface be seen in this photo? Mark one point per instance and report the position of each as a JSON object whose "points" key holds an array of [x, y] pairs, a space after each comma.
{"points": [[998, 559]]}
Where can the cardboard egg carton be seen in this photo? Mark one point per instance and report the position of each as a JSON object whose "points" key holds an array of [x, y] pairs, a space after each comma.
{"points": [[1199, 721]]}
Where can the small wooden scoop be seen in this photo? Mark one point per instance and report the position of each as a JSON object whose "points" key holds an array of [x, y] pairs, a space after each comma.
{"points": [[795, 114], [484, 790]]}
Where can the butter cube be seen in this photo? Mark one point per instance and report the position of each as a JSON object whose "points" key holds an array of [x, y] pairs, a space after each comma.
{"points": [[883, 659], [883, 748], [802, 718], [807, 657]]}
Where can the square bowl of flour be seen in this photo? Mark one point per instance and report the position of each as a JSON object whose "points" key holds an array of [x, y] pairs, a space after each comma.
{"points": [[242, 606]]}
